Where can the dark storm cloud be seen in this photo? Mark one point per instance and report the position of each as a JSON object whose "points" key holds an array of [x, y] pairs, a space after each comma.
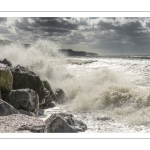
{"points": [[124, 28], [4, 30], [24, 24], [55, 30], [46, 24], [57, 23], [48, 18], [148, 24], [2, 19], [109, 35], [131, 30], [122, 36]]}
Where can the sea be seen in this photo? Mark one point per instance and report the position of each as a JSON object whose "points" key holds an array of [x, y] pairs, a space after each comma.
{"points": [[110, 94]]}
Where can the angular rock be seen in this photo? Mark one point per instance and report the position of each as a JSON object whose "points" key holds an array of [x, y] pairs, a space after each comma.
{"points": [[62, 122], [52, 104], [60, 95], [6, 62], [40, 112], [26, 99], [32, 128], [48, 87], [48, 101], [104, 118], [7, 109], [23, 78], [22, 69], [49, 96], [6, 78], [26, 112], [0, 95]]}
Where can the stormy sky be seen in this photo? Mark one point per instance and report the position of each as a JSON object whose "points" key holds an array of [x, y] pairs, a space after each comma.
{"points": [[105, 36]]}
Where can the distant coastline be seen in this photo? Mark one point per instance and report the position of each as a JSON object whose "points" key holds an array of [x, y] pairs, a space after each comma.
{"points": [[70, 52]]}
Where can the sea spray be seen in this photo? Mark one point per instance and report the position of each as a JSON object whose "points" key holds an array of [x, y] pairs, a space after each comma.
{"points": [[101, 90], [41, 57]]}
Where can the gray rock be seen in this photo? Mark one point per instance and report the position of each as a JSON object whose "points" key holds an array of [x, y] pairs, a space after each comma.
{"points": [[0, 95], [26, 99], [49, 96], [60, 95], [24, 78], [48, 100], [6, 62], [48, 87], [26, 112], [40, 112], [6, 78], [7, 109], [22, 69], [62, 122], [52, 104], [104, 118], [32, 128]]}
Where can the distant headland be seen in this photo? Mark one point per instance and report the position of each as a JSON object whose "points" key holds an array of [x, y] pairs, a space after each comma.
{"points": [[70, 52]]}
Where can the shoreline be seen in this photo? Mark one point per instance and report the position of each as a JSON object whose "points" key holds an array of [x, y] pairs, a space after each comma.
{"points": [[95, 125]]}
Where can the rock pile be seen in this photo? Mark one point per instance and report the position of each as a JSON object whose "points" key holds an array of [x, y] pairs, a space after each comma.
{"points": [[22, 91]]}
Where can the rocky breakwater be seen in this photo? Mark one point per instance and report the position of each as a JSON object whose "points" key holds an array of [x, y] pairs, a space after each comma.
{"points": [[24, 96]]}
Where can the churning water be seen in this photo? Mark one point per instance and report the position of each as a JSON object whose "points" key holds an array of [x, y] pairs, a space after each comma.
{"points": [[117, 89]]}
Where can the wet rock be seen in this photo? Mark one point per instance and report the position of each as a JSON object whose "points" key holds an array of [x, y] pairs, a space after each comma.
{"points": [[22, 69], [60, 95], [7, 109], [23, 78], [0, 95], [26, 112], [6, 62], [52, 104], [40, 112], [62, 122], [48, 100], [26, 99], [103, 118], [32, 128], [6, 78], [48, 87], [49, 96]]}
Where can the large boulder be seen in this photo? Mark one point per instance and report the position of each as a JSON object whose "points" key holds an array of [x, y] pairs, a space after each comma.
{"points": [[22, 69], [48, 101], [62, 122], [6, 62], [26, 112], [49, 94], [24, 78], [7, 109], [59, 95], [6, 78], [48, 87], [26, 99], [0, 95]]}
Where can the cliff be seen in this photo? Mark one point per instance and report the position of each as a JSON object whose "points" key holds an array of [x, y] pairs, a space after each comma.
{"points": [[70, 52]]}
